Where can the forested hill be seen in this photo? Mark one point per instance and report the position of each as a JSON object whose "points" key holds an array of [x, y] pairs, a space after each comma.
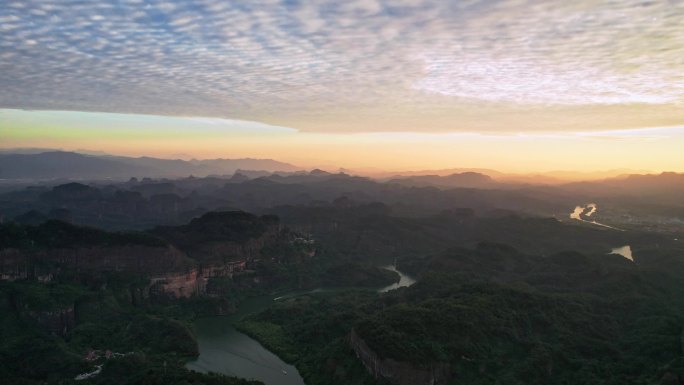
{"points": [[492, 315]]}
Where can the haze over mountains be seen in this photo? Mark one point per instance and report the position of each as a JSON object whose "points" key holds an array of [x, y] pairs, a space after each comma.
{"points": [[327, 192], [124, 192], [102, 253], [163, 192], [71, 165], [49, 164]]}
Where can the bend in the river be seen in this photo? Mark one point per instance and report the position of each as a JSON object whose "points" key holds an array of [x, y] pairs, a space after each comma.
{"points": [[592, 207], [223, 349]]}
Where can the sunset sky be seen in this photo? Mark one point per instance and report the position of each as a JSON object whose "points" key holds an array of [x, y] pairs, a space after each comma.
{"points": [[513, 85]]}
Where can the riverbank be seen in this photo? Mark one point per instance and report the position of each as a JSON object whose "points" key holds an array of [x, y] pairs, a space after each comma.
{"points": [[238, 346]]}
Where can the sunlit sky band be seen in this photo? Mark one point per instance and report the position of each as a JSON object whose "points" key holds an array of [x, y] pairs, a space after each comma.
{"points": [[293, 78]]}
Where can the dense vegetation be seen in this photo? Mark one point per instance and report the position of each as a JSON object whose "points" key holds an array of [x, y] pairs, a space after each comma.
{"points": [[529, 313], [225, 226], [494, 315], [491, 333], [47, 330], [310, 331], [55, 234]]}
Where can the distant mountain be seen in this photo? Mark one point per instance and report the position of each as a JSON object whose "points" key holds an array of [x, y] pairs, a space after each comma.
{"points": [[462, 180], [547, 178], [54, 165], [666, 186], [32, 150], [382, 174], [72, 165], [563, 176], [663, 180]]}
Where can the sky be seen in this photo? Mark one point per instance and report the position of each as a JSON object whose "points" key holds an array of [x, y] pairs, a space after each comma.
{"points": [[514, 85]]}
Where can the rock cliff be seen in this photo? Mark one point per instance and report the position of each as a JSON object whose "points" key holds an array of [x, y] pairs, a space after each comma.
{"points": [[58, 321], [178, 260], [21, 264], [396, 372]]}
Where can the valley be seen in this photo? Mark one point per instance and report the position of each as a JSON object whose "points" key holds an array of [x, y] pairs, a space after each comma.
{"points": [[367, 192], [334, 279]]}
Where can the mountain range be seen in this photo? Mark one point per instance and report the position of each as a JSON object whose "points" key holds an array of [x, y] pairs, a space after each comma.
{"points": [[72, 165]]}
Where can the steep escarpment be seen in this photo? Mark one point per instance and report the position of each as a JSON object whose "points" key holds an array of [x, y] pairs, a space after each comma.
{"points": [[40, 252], [223, 244], [71, 293], [396, 372], [58, 321], [40, 264], [178, 261], [226, 243]]}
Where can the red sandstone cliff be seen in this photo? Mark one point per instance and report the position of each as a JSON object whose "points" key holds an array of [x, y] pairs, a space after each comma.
{"points": [[15, 264]]}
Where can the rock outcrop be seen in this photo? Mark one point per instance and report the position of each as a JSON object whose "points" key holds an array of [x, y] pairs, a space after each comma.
{"points": [[178, 260], [396, 372], [39, 264], [56, 321], [178, 284]]}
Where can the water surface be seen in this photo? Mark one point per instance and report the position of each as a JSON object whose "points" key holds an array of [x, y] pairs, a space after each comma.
{"points": [[223, 349], [588, 210], [625, 251], [404, 280]]}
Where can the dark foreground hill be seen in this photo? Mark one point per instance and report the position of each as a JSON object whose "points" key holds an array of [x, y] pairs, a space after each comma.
{"points": [[75, 299], [491, 315], [500, 297]]}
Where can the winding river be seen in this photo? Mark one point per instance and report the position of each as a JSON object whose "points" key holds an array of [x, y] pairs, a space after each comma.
{"points": [[223, 349], [588, 210], [404, 280]]}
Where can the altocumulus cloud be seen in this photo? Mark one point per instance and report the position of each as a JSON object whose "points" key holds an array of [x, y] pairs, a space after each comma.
{"points": [[321, 60]]}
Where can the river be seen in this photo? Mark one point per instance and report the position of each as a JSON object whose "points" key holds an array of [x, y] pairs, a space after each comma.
{"points": [[588, 210], [224, 349], [625, 251], [404, 280]]}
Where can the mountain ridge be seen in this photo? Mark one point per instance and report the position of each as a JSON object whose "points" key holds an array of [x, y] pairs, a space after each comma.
{"points": [[73, 165]]}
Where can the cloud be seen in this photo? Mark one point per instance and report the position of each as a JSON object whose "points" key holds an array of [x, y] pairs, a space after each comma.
{"points": [[638, 135], [322, 65], [102, 123]]}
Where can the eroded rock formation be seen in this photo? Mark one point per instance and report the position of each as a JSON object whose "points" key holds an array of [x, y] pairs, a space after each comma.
{"points": [[396, 372]]}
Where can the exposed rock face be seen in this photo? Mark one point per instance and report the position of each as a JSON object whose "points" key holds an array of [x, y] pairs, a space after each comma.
{"points": [[137, 259], [169, 269], [15, 264], [224, 269], [59, 321], [178, 284], [178, 260], [215, 252], [396, 372]]}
